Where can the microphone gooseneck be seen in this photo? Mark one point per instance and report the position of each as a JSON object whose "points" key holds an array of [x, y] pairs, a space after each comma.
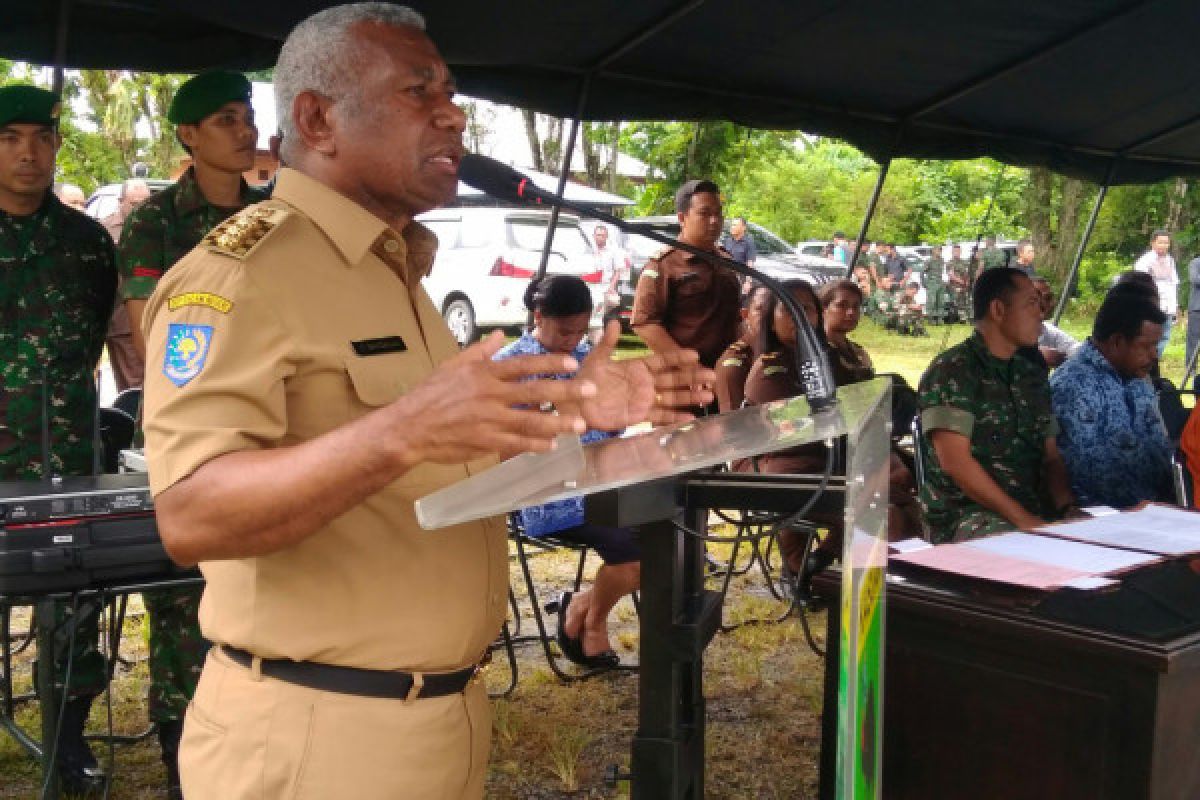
{"points": [[505, 183]]}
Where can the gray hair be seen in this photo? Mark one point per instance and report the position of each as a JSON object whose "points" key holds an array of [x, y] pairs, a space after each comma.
{"points": [[319, 56]]}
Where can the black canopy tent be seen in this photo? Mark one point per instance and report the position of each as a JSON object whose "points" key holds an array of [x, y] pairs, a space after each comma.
{"points": [[1072, 85], [1104, 90]]}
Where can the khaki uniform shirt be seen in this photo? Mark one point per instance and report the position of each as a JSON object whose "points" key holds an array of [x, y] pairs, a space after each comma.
{"points": [[698, 303], [250, 346]]}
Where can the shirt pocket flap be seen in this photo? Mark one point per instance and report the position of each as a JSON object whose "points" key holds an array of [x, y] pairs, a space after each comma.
{"points": [[377, 381]]}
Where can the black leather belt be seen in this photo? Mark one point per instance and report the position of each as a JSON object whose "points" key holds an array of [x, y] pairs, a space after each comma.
{"points": [[351, 680]]}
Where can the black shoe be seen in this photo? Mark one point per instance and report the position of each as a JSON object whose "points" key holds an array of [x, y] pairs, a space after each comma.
{"points": [[169, 734], [572, 647], [78, 770]]}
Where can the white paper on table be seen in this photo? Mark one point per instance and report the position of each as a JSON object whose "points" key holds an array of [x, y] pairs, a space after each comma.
{"points": [[1127, 538], [1091, 584], [909, 545], [1099, 511], [974, 562], [1154, 529], [1087, 559]]}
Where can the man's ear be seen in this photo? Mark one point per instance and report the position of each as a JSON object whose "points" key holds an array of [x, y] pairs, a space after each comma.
{"points": [[997, 309], [186, 135], [311, 115]]}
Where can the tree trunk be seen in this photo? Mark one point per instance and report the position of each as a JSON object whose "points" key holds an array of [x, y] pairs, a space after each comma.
{"points": [[1039, 210], [1175, 205], [1069, 235], [535, 142]]}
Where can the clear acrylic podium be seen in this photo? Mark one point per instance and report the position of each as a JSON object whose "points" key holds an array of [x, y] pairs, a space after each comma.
{"points": [[656, 481]]}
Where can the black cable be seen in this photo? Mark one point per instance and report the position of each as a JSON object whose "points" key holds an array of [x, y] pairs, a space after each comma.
{"points": [[785, 522], [113, 634], [51, 762]]}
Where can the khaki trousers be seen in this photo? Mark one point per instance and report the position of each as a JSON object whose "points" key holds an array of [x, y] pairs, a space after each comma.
{"points": [[257, 738]]}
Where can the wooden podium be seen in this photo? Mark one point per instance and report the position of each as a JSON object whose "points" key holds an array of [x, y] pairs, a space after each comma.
{"points": [[987, 702]]}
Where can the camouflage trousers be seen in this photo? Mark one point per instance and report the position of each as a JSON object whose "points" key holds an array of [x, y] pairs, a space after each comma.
{"points": [[89, 669], [978, 524], [177, 650]]}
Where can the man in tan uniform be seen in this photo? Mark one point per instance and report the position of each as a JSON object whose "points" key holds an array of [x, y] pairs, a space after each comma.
{"points": [[302, 391]]}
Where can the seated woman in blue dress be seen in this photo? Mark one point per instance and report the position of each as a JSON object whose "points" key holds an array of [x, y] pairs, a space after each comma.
{"points": [[562, 306]]}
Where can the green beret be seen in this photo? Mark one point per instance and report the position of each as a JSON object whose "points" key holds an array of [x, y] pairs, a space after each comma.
{"points": [[21, 102], [205, 94]]}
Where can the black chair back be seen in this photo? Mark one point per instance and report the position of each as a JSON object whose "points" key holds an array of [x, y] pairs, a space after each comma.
{"points": [[116, 434]]}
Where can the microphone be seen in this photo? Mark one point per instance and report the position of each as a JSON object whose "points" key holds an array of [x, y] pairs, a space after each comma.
{"points": [[505, 183], [502, 181]]}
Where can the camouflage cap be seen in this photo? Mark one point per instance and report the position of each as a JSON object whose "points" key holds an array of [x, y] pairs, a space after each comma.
{"points": [[20, 102], [683, 195], [205, 93]]}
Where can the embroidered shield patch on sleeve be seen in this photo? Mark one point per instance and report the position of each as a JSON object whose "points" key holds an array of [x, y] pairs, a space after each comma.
{"points": [[187, 350]]}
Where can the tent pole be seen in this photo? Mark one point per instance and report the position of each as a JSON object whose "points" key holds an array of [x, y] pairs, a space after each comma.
{"points": [[1069, 286], [60, 44], [564, 172], [884, 166]]}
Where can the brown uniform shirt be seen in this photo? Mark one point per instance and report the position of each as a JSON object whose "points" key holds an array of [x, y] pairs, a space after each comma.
{"points": [[773, 377], [696, 302], [732, 369], [850, 363], [250, 347]]}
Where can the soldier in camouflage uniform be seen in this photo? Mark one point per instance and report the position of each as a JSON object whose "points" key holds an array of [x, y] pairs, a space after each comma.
{"points": [[992, 462], [937, 295], [958, 273], [991, 256], [909, 318], [869, 259], [216, 124], [57, 284]]}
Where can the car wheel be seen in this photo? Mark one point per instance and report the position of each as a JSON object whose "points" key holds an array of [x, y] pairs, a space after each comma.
{"points": [[460, 318]]}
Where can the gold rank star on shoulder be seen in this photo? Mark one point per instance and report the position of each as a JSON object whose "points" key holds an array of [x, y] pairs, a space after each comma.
{"points": [[241, 233]]}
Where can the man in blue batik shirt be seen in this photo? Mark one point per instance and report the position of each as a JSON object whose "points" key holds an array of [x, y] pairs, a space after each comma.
{"points": [[1111, 433]]}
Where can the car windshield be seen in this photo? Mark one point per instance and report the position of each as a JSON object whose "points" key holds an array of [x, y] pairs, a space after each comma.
{"points": [[768, 243], [529, 233]]}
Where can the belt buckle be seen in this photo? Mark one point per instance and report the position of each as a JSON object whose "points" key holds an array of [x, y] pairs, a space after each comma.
{"points": [[482, 665]]}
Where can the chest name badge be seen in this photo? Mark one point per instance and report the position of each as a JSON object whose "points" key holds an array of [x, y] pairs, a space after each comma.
{"points": [[207, 299], [377, 347], [187, 350]]}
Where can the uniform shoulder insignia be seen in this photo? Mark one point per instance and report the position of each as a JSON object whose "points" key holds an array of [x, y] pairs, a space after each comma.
{"points": [[239, 235]]}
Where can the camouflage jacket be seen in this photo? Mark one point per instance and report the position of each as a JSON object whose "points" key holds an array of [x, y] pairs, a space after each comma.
{"points": [[935, 273], [958, 266], [1004, 408], [868, 260], [58, 280], [165, 228], [992, 257]]}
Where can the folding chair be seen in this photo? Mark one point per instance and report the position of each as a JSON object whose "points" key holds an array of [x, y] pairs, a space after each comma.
{"points": [[918, 434], [1182, 479], [528, 547]]}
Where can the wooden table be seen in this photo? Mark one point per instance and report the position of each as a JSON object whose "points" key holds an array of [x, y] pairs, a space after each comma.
{"points": [[986, 700]]}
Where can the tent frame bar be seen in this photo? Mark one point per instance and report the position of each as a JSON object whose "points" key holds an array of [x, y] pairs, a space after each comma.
{"points": [[1069, 285], [585, 90], [884, 166]]}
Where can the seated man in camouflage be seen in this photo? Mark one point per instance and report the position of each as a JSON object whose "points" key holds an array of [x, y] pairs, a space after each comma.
{"points": [[992, 462], [910, 314]]}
